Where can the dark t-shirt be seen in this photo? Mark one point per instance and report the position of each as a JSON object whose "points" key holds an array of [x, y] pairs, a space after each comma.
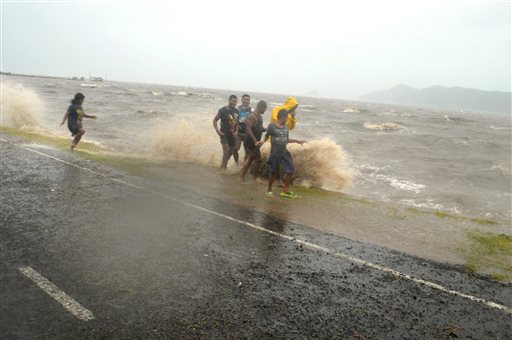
{"points": [[75, 115], [244, 112], [228, 118], [279, 139]]}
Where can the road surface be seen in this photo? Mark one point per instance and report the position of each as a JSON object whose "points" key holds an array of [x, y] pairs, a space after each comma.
{"points": [[88, 251]]}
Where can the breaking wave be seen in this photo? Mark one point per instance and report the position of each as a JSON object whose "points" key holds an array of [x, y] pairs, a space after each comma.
{"points": [[21, 107], [319, 163], [383, 126]]}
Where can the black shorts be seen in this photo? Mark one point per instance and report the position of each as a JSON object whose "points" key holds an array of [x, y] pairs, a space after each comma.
{"points": [[74, 129], [250, 148], [228, 139], [283, 164]]}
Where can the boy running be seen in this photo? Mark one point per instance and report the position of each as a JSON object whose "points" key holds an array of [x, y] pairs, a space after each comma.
{"points": [[280, 158], [252, 142], [228, 128], [244, 111], [74, 116]]}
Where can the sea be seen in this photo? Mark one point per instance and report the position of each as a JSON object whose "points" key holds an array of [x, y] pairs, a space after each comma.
{"points": [[451, 161]]}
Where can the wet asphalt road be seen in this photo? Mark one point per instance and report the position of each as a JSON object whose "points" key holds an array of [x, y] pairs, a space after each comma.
{"points": [[148, 266]]}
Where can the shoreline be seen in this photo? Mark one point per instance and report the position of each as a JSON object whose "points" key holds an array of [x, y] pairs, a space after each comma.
{"points": [[478, 245]]}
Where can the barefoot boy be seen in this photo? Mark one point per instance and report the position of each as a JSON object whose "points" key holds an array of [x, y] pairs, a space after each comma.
{"points": [[74, 116], [280, 158]]}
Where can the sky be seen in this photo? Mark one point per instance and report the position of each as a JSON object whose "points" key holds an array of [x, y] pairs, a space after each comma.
{"points": [[338, 49]]}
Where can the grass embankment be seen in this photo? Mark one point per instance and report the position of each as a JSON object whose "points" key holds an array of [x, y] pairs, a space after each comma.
{"points": [[490, 254]]}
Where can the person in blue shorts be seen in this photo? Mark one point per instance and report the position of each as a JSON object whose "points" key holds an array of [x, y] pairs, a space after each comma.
{"points": [[74, 116], [280, 159]]}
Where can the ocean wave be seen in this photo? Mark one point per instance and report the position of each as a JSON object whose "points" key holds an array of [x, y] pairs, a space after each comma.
{"points": [[182, 94], [426, 204], [383, 126], [456, 119], [21, 107], [400, 184], [501, 170], [499, 127], [319, 163], [351, 110]]}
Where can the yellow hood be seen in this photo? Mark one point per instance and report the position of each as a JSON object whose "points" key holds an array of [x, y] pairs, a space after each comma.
{"points": [[288, 105]]}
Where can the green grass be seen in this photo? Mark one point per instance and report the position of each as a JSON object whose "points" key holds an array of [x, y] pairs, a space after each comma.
{"points": [[446, 215], [490, 254], [92, 152], [55, 141]]}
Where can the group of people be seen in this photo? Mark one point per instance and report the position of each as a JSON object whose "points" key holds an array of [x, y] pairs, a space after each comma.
{"points": [[242, 125], [238, 126]]}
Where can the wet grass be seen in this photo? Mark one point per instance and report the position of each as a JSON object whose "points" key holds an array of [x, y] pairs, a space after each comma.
{"points": [[58, 142], [490, 254], [91, 152], [144, 166], [446, 215]]}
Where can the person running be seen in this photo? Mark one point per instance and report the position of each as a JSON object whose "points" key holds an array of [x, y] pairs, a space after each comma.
{"points": [[280, 158], [228, 127], [252, 142], [74, 116], [244, 111]]}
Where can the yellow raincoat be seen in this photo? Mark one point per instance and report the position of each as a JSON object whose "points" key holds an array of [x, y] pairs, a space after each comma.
{"points": [[288, 105]]}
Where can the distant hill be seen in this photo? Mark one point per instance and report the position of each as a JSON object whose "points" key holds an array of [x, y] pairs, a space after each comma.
{"points": [[453, 98]]}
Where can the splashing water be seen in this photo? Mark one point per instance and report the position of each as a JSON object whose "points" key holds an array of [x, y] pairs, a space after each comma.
{"points": [[21, 107], [322, 164], [319, 163]]}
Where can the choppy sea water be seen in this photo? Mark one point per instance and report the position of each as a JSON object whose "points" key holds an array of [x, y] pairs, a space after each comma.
{"points": [[452, 161]]}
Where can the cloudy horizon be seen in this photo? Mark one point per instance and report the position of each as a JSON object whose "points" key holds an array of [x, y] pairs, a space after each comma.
{"points": [[332, 50]]}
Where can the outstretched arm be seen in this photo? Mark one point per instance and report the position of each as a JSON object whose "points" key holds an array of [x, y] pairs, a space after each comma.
{"points": [[296, 141], [89, 116]]}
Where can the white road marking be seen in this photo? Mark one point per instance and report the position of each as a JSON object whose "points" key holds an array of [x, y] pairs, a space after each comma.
{"points": [[64, 299], [286, 237]]}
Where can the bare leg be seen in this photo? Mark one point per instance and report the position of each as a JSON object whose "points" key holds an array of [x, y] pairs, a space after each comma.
{"points": [[227, 151], [256, 164], [287, 181], [248, 160], [271, 181], [77, 138], [235, 156]]}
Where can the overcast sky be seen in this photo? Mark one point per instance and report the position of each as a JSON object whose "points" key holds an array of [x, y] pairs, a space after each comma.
{"points": [[338, 49]]}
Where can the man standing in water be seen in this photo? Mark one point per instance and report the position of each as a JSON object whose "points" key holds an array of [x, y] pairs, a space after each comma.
{"points": [[252, 142], [244, 112], [228, 128]]}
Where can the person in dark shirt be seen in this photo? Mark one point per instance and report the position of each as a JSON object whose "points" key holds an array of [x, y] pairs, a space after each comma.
{"points": [[74, 116], [228, 129], [252, 142], [280, 158], [244, 111]]}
